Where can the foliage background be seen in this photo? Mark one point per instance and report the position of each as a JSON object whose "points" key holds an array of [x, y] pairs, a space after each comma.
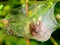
{"points": [[5, 39]]}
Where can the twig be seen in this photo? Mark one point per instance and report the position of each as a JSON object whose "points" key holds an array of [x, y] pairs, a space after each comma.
{"points": [[27, 41], [26, 7]]}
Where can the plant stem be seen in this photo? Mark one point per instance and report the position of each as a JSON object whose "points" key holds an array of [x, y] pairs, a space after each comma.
{"points": [[27, 41], [26, 7], [53, 41]]}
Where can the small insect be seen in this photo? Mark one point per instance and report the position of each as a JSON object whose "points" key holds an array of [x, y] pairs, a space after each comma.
{"points": [[39, 31], [10, 32], [32, 29]]}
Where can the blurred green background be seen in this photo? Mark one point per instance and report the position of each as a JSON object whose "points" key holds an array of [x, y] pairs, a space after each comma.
{"points": [[5, 39]]}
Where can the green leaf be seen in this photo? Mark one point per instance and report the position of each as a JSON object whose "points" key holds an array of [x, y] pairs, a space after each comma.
{"points": [[1, 6]]}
